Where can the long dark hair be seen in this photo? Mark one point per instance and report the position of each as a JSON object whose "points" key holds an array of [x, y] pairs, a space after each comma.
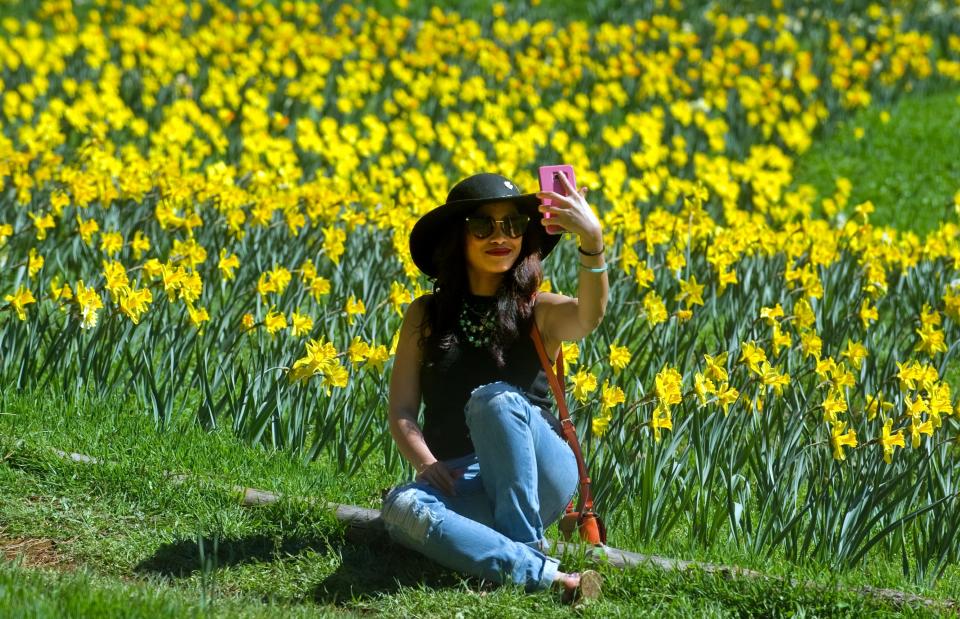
{"points": [[514, 297]]}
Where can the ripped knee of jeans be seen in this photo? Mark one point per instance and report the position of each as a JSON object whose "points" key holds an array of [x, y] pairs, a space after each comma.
{"points": [[408, 517]]}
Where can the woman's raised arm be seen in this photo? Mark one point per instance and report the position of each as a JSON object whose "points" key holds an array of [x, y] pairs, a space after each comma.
{"points": [[565, 318]]}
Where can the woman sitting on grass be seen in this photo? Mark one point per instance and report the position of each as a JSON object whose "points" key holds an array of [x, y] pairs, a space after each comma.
{"points": [[492, 470]]}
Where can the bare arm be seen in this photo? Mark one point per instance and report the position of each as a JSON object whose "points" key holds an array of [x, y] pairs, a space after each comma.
{"points": [[405, 390], [405, 402], [565, 318]]}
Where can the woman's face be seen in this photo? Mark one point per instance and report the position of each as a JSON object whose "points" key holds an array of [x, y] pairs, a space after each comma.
{"points": [[495, 254]]}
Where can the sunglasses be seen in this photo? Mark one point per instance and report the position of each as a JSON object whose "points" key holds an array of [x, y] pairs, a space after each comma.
{"points": [[483, 226]]}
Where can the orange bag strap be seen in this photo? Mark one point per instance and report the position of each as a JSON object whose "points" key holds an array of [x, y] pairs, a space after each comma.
{"points": [[585, 501]]}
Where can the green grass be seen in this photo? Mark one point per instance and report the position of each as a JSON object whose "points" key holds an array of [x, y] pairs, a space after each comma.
{"points": [[909, 167], [46, 593], [126, 540]]}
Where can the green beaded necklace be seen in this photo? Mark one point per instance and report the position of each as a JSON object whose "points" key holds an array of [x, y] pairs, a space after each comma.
{"points": [[478, 320]]}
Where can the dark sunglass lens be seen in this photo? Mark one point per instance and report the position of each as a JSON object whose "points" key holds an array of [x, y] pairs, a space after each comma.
{"points": [[480, 227], [516, 225]]}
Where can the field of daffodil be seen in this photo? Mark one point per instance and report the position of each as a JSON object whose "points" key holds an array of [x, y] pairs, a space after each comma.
{"points": [[207, 205]]}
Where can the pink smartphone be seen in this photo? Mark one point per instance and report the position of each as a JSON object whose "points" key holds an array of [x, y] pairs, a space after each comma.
{"points": [[549, 182]]}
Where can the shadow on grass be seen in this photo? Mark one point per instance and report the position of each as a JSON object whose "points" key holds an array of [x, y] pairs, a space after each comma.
{"points": [[367, 568], [182, 558], [371, 570]]}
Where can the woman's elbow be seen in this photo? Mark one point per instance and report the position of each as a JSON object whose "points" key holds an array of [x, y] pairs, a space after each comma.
{"points": [[400, 417], [589, 323]]}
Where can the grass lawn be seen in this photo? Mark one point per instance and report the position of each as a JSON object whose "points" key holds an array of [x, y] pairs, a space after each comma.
{"points": [[120, 538], [908, 166]]}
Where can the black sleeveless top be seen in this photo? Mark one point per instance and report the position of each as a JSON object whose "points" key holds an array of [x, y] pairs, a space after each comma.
{"points": [[446, 384]]}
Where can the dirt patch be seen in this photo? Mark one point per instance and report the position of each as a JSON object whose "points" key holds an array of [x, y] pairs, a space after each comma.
{"points": [[35, 552]]}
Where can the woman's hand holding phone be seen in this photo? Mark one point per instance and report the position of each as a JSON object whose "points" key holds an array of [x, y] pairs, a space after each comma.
{"points": [[565, 209], [550, 182]]}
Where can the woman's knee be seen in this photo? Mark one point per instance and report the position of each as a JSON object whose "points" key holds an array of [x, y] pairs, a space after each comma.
{"points": [[410, 514], [495, 400]]}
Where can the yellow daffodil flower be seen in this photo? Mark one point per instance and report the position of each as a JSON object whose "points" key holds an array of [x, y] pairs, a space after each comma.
{"points": [[584, 383], [752, 355], [300, 324], [227, 263], [274, 321], [890, 440], [353, 308], [656, 311], [661, 420], [619, 357], [611, 395], [20, 299], [840, 437], [716, 367], [319, 358], [570, 352]]}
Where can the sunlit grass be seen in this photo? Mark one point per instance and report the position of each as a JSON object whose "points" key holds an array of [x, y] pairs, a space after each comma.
{"points": [[906, 161]]}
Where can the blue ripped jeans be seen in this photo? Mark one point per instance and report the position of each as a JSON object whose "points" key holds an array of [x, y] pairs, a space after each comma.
{"points": [[518, 482]]}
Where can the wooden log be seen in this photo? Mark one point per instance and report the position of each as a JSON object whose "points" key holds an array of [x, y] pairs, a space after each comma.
{"points": [[624, 559]]}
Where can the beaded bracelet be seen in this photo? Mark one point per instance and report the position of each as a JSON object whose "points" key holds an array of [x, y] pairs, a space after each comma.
{"points": [[591, 253], [594, 269]]}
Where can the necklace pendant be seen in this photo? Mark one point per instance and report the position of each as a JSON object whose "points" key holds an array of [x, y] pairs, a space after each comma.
{"points": [[477, 326]]}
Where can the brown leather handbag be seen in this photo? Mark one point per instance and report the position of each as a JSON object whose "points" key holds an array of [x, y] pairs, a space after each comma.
{"points": [[580, 518]]}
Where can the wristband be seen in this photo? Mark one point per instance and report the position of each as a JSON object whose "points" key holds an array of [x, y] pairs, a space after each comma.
{"points": [[594, 269], [591, 253]]}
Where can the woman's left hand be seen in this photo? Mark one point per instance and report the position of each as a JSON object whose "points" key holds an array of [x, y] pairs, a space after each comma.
{"points": [[572, 213]]}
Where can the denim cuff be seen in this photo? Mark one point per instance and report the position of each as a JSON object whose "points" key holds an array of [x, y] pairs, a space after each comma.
{"points": [[550, 568]]}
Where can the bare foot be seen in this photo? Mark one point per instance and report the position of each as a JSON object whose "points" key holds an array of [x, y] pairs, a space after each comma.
{"points": [[568, 582]]}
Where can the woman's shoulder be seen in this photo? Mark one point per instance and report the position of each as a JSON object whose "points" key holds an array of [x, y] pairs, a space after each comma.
{"points": [[422, 301], [417, 310], [418, 307]]}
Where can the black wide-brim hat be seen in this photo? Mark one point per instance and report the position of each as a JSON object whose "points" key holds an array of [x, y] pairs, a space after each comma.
{"points": [[465, 197]]}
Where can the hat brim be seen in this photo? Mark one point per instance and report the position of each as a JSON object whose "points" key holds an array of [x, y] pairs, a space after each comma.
{"points": [[424, 235]]}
